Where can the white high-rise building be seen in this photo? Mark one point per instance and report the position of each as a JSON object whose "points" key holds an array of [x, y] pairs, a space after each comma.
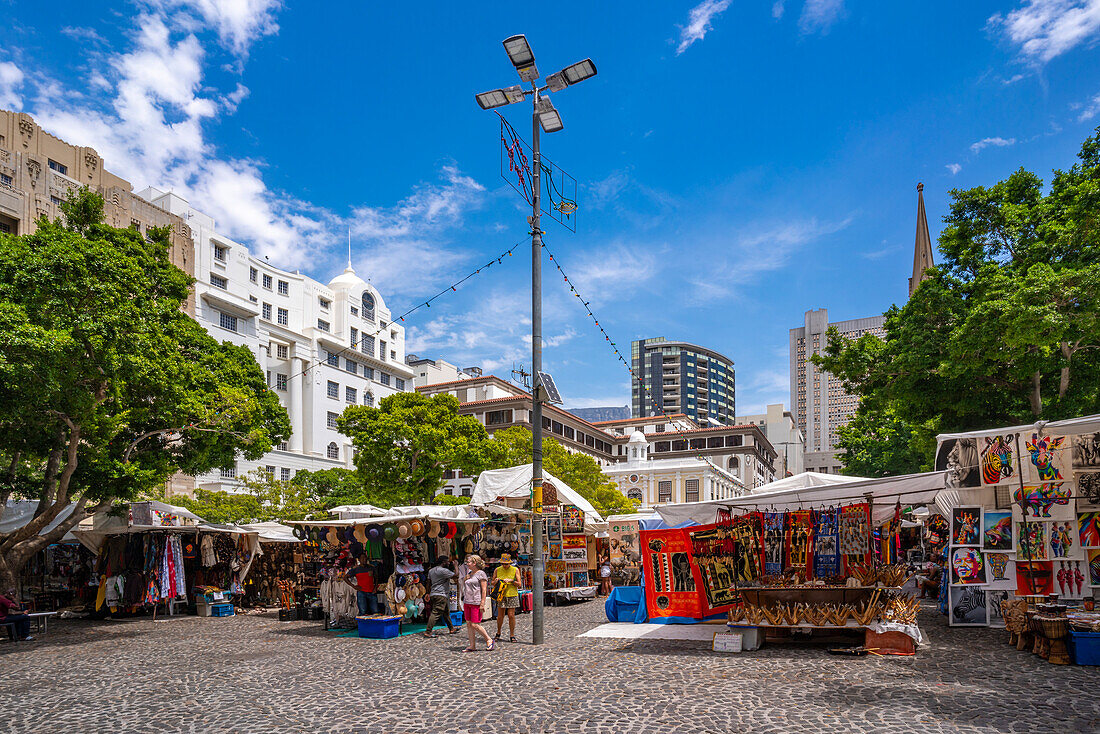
{"points": [[322, 347]]}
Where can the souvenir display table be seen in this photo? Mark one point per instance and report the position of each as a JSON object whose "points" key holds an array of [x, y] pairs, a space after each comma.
{"points": [[570, 593]]}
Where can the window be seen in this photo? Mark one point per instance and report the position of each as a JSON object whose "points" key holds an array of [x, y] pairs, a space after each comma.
{"points": [[229, 472], [354, 311], [284, 288], [393, 355], [368, 372], [270, 469], [280, 382], [734, 463], [351, 366], [368, 398], [218, 281], [59, 167], [253, 299], [57, 201], [332, 359], [267, 281], [366, 346], [283, 446], [383, 378], [332, 419], [691, 490], [6, 180], [351, 395], [253, 274], [393, 334], [333, 389], [661, 428], [221, 252], [382, 350], [266, 312], [226, 321], [733, 440], [322, 325], [284, 474], [556, 427], [498, 417], [282, 351], [368, 306], [333, 451], [568, 432], [664, 491], [399, 383], [354, 337], [324, 302], [284, 317]]}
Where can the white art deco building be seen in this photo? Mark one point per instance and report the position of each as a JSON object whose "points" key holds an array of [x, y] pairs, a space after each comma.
{"points": [[322, 347]]}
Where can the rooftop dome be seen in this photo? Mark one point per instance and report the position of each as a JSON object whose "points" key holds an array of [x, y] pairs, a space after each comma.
{"points": [[347, 279], [637, 437]]}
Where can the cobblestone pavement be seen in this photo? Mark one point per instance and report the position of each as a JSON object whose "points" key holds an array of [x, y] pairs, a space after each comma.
{"points": [[255, 674]]}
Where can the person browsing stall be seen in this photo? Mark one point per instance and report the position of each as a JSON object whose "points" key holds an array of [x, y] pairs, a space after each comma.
{"points": [[475, 587], [439, 595], [361, 578], [506, 584]]}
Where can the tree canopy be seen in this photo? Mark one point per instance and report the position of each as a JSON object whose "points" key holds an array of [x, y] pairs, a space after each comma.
{"points": [[1006, 327], [512, 447], [404, 446], [107, 387], [263, 498]]}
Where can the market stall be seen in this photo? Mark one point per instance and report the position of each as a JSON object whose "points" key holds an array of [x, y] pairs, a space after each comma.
{"points": [[278, 570], [56, 576]]}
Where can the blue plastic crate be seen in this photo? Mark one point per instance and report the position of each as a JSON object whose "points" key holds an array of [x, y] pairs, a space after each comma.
{"points": [[1084, 647], [456, 619], [221, 610], [379, 628]]}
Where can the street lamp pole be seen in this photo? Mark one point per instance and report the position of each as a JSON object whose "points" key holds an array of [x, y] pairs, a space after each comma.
{"points": [[544, 116]]}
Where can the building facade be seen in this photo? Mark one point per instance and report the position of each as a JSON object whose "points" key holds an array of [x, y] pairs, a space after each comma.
{"points": [[820, 402], [38, 171], [435, 371], [682, 378], [783, 432], [653, 482], [322, 346]]}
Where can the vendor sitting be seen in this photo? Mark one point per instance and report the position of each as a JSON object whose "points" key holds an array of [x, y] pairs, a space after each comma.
{"points": [[361, 578], [929, 580], [12, 612]]}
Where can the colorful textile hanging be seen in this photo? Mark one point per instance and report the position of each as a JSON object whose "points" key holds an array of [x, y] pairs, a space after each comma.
{"points": [[670, 588], [167, 571], [774, 527], [748, 531], [716, 555], [826, 545], [799, 545], [177, 561], [855, 534]]}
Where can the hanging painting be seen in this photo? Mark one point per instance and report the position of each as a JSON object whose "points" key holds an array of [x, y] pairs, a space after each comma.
{"points": [[553, 527], [1035, 578], [555, 553], [1044, 501], [966, 524], [1089, 529], [993, 605], [1047, 459], [1063, 541], [826, 545], [670, 589], [574, 548], [572, 519], [1000, 571], [997, 457], [1088, 488], [1069, 580], [1094, 568], [1086, 451], [773, 542], [997, 531], [799, 544], [958, 457], [967, 606], [967, 567], [720, 561], [1031, 541], [748, 534], [579, 578], [622, 540], [855, 534]]}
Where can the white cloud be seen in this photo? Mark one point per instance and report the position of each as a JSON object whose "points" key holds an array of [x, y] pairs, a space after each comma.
{"points": [[819, 15], [995, 142], [777, 9], [617, 400], [699, 22], [232, 101], [1090, 110], [11, 79], [763, 388], [954, 168], [238, 23], [1013, 79], [1045, 29]]}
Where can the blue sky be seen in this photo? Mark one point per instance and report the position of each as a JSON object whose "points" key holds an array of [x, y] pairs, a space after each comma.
{"points": [[738, 162]]}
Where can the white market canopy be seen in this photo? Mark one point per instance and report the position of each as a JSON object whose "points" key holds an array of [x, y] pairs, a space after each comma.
{"points": [[271, 532], [1084, 424], [806, 480], [515, 483], [886, 493], [350, 515], [17, 513]]}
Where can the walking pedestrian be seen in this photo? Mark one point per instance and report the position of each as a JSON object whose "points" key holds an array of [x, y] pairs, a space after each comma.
{"points": [[506, 584], [475, 588], [605, 577], [439, 595]]}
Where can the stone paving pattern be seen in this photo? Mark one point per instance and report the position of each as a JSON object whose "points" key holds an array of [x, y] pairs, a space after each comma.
{"points": [[255, 674]]}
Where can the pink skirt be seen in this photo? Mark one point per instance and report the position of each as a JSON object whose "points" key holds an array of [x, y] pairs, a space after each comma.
{"points": [[472, 613]]}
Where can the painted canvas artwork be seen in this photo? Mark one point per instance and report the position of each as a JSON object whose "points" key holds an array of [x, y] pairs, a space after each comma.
{"points": [[1063, 540], [966, 523], [1000, 571], [997, 455], [1086, 451], [1047, 459], [967, 567], [1036, 577], [1094, 567], [1044, 501], [1031, 541], [1070, 579], [1088, 529], [967, 605], [959, 458], [997, 531]]}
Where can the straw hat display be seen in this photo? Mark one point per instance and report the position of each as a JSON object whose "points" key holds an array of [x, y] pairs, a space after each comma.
{"points": [[404, 530], [417, 527], [433, 529], [360, 533]]}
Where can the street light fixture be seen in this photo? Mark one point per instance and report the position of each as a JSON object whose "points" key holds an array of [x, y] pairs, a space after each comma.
{"points": [[545, 116]]}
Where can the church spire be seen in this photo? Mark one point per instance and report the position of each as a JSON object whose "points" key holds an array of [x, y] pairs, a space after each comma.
{"points": [[922, 249]]}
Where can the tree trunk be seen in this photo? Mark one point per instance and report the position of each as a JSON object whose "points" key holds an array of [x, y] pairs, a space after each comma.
{"points": [[1063, 383], [14, 556], [1036, 395]]}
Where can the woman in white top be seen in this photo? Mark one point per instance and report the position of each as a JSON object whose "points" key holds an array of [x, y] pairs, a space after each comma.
{"points": [[475, 587]]}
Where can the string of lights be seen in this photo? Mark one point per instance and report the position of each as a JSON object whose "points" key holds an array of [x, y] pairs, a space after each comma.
{"points": [[586, 305], [353, 347]]}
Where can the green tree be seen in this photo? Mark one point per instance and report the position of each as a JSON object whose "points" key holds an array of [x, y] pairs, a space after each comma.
{"points": [[107, 387], [334, 487], [512, 447], [877, 443], [262, 498], [1006, 328], [405, 444]]}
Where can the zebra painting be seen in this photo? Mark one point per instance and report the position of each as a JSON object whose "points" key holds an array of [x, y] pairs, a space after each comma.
{"points": [[968, 607]]}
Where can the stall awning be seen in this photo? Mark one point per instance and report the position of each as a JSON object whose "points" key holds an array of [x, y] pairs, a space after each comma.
{"points": [[909, 489], [498, 484], [807, 480], [17, 513], [1084, 424], [272, 532]]}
